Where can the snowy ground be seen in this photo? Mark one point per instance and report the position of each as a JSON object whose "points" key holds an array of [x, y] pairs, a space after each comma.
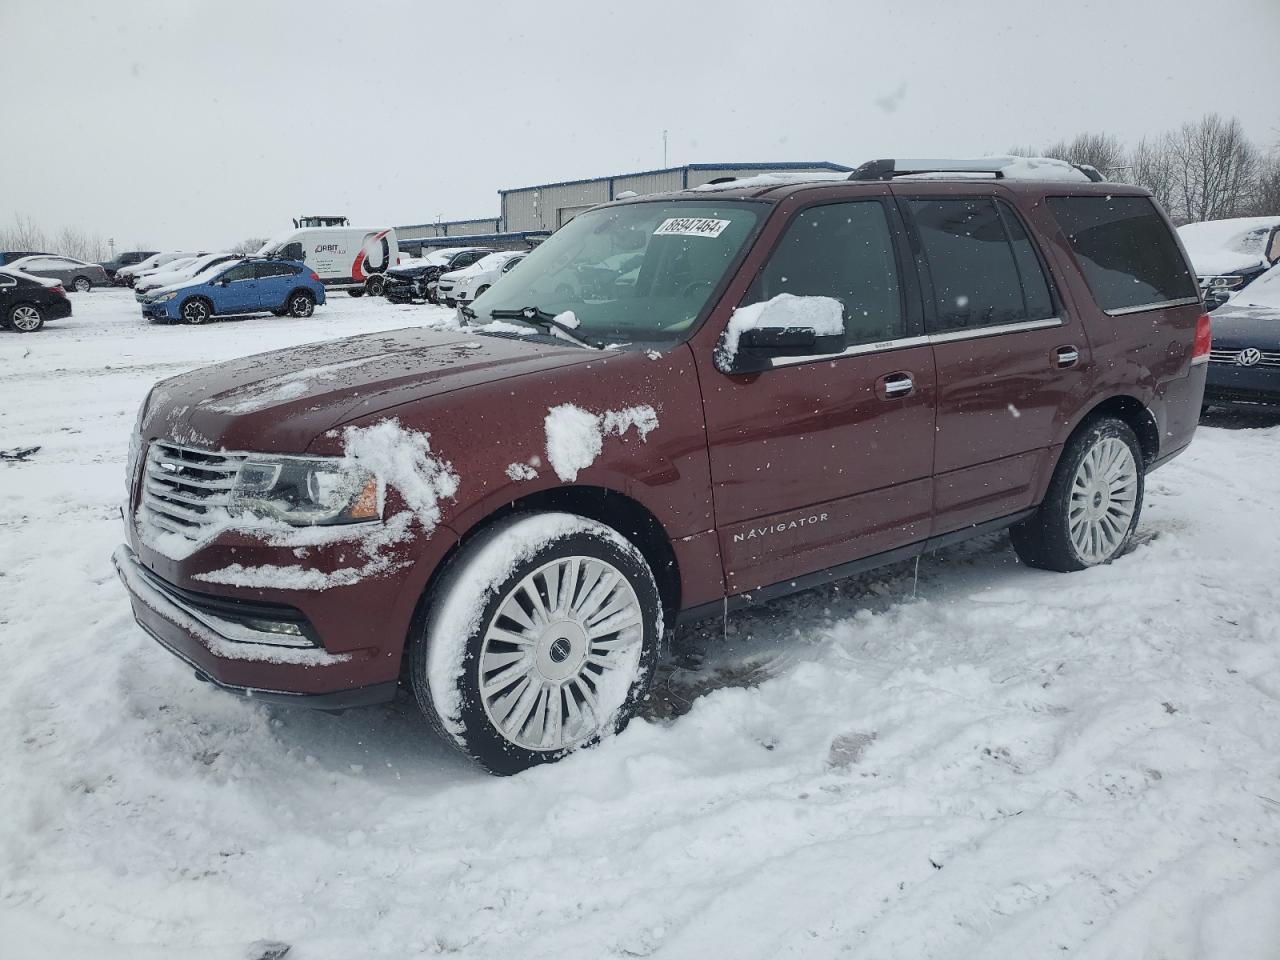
{"points": [[994, 762]]}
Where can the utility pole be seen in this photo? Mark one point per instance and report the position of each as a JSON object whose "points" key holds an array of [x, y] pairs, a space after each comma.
{"points": [[664, 148]]}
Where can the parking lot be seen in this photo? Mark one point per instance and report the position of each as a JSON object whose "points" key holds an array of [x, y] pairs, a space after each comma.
{"points": [[982, 760]]}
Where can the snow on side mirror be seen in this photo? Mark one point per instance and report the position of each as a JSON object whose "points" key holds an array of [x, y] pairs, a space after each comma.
{"points": [[786, 326]]}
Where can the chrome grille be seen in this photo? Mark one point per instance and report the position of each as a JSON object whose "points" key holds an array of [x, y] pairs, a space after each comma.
{"points": [[184, 489], [1270, 358]]}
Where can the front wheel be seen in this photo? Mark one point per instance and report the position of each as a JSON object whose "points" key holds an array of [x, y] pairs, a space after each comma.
{"points": [[82, 284], [26, 318], [375, 286], [356, 293], [196, 312], [541, 639], [1093, 503], [301, 304]]}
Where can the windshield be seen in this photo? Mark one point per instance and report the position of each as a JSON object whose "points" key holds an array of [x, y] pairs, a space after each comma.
{"points": [[638, 272]]}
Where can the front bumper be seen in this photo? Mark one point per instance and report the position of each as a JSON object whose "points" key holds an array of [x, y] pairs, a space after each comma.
{"points": [[160, 311], [1230, 384], [214, 636]]}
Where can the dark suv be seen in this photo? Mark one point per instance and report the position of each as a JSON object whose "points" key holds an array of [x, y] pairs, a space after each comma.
{"points": [[793, 382]]}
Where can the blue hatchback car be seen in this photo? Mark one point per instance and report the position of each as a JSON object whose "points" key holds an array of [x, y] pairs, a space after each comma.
{"points": [[252, 285]]}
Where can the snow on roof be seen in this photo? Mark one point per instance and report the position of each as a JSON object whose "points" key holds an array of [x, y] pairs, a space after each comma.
{"points": [[1222, 246], [772, 180], [13, 271]]}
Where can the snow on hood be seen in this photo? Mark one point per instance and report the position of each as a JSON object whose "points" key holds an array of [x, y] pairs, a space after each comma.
{"points": [[1217, 247], [1263, 292]]}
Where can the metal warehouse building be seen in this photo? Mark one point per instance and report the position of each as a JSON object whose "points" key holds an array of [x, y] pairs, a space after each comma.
{"points": [[530, 213]]}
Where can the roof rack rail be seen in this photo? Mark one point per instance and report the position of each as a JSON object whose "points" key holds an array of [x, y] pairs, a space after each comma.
{"points": [[994, 167]]}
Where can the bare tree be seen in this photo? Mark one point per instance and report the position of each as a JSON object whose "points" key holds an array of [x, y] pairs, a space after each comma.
{"points": [[74, 242], [248, 246], [1214, 168], [1101, 151], [1266, 192], [24, 234], [1151, 166]]}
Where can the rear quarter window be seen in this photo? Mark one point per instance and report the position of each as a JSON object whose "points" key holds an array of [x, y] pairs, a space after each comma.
{"points": [[1126, 251]]}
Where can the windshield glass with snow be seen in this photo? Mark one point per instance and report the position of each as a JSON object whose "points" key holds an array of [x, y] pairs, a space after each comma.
{"points": [[634, 273]]}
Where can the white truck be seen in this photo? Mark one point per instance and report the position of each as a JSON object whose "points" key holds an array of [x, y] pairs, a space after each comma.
{"points": [[344, 258]]}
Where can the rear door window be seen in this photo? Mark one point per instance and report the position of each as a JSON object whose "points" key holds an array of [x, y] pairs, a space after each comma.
{"points": [[1127, 252], [265, 270], [979, 264], [845, 251]]}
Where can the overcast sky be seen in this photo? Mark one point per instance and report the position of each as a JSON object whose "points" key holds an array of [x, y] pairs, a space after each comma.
{"points": [[184, 123]]}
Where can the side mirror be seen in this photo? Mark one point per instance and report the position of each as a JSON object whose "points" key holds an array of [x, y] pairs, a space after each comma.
{"points": [[786, 326]]}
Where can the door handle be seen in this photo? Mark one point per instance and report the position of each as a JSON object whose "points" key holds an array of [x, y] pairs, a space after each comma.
{"points": [[1066, 356], [895, 385]]}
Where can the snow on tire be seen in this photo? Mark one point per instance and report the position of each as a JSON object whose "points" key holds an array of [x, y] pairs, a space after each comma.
{"points": [[540, 639]]}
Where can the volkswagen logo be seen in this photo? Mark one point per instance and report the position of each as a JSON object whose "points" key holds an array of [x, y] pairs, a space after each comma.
{"points": [[1248, 357]]}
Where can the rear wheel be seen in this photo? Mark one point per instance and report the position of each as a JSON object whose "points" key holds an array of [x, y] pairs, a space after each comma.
{"points": [[196, 311], [301, 304], [356, 293], [25, 317], [1093, 503], [541, 639], [82, 284]]}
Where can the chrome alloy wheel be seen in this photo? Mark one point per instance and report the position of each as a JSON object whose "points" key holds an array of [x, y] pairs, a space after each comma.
{"points": [[561, 654], [25, 318], [1104, 495], [195, 311], [302, 306], [82, 285]]}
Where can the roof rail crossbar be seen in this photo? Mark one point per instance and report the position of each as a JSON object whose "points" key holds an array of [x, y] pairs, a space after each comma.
{"points": [[888, 169]]}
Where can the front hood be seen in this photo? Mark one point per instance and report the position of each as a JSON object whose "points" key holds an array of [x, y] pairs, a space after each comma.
{"points": [[407, 273], [1217, 263], [279, 402], [1237, 327]]}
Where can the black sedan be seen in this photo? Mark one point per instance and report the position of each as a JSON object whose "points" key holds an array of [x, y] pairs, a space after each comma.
{"points": [[27, 302], [1244, 367]]}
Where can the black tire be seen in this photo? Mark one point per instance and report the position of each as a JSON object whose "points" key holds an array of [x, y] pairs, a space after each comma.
{"points": [[25, 317], [279, 313], [197, 311], [464, 606], [82, 284], [302, 303], [356, 293], [375, 286], [1045, 539]]}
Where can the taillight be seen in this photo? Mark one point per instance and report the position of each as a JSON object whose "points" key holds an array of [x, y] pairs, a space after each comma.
{"points": [[1204, 340], [58, 291], [315, 276]]}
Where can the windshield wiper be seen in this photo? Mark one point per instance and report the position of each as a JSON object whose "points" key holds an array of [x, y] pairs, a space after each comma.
{"points": [[545, 322]]}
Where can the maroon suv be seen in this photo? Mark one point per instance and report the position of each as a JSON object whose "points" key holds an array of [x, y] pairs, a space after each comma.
{"points": [[677, 405]]}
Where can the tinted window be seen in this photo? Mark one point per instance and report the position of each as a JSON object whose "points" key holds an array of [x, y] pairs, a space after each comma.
{"points": [[1126, 251], [241, 271], [275, 270], [844, 251], [1035, 289], [970, 262]]}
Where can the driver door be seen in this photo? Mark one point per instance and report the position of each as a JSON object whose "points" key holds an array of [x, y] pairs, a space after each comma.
{"points": [[820, 461]]}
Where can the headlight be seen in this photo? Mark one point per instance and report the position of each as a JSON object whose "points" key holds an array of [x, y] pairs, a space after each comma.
{"points": [[165, 298], [306, 491]]}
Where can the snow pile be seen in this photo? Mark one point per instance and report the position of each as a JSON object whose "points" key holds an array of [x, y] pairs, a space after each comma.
{"points": [[575, 436], [568, 319], [469, 586], [1263, 292], [1219, 247], [824, 314], [403, 459]]}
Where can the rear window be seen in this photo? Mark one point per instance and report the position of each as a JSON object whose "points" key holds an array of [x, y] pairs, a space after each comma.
{"points": [[1129, 256]]}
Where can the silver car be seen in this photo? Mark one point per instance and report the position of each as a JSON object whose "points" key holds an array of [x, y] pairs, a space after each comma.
{"points": [[74, 274]]}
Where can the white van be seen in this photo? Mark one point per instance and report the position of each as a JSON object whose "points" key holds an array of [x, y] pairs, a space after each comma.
{"points": [[344, 258]]}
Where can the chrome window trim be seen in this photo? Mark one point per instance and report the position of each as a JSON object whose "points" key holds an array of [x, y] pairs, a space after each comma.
{"points": [[884, 346], [971, 333], [1158, 305]]}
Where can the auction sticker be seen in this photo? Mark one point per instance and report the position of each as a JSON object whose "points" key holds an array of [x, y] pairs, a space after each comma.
{"points": [[691, 227]]}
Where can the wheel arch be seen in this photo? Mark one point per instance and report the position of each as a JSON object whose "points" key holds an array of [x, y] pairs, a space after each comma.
{"points": [[619, 511], [1133, 412]]}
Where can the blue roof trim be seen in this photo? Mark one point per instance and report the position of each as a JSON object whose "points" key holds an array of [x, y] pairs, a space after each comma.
{"points": [[783, 165]]}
